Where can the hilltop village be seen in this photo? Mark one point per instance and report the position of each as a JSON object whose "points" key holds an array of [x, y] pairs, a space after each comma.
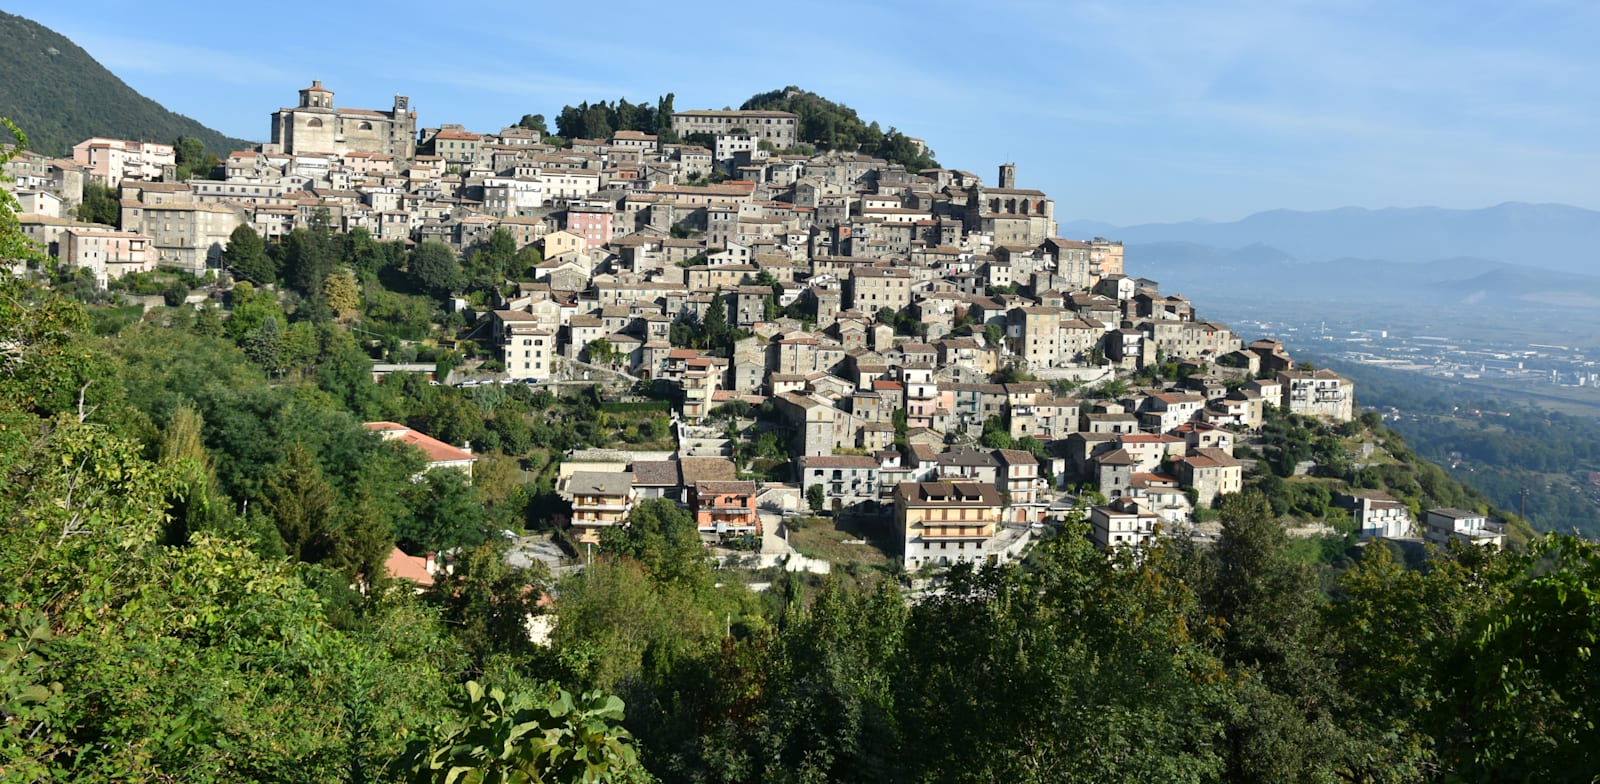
{"points": [[922, 347]]}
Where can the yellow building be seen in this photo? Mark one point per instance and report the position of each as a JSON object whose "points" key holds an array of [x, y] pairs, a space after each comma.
{"points": [[599, 499], [944, 523]]}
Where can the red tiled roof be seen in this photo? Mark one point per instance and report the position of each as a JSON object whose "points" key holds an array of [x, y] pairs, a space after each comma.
{"points": [[408, 567], [435, 450]]}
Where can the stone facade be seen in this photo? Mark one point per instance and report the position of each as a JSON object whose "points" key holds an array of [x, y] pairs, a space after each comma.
{"points": [[776, 127], [316, 126]]}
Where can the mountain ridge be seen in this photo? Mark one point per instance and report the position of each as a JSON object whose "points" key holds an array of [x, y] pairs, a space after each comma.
{"points": [[1552, 236], [59, 95]]}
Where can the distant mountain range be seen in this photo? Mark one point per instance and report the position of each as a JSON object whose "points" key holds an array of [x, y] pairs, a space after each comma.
{"points": [[1546, 254], [59, 96]]}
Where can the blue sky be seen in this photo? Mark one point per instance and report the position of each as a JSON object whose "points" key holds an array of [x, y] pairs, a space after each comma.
{"points": [[1125, 112]]}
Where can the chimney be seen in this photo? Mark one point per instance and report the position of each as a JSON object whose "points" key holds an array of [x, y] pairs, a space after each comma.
{"points": [[429, 564], [316, 82], [466, 446]]}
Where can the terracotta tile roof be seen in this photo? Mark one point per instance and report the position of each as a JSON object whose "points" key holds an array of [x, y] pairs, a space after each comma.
{"points": [[433, 449], [408, 567]]}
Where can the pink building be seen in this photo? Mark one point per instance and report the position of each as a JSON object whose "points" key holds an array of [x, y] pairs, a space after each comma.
{"points": [[112, 160], [591, 223]]}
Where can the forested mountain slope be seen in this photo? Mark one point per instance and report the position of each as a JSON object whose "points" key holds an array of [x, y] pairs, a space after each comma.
{"points": [[60, 95]]}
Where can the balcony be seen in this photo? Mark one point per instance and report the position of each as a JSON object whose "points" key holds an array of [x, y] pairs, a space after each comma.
{"points": [[952, 533], [615, 507]]}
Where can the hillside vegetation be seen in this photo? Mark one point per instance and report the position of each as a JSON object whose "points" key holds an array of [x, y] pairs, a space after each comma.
{"points": [[823, 125], [827, 125], [1504, 448], [57, 92]]}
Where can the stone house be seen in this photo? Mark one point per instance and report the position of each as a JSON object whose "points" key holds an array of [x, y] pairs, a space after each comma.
{"points": [[1121, 524], [1211, 472], [1319, 393], [846, 480]]}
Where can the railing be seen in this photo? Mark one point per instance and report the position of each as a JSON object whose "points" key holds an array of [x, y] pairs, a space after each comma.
{"points": [[930, 535]]}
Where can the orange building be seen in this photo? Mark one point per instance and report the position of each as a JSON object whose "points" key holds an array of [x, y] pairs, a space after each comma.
{"points": [[726, 508]]}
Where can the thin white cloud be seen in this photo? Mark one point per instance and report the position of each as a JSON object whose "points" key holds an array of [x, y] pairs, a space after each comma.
{"points": [[203, 64]]}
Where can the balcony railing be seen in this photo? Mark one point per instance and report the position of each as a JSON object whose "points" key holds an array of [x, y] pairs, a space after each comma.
{"points": [[953, 533]]}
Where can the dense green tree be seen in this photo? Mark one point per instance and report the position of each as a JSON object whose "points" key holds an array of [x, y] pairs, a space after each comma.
{"points": [[192, 159], [303, 505], [524, 262], [447, 514], [534, 122], [344, 370], [300, 346], [612, 617], [197, 505], [364, 255], [435, 269], [309, 257], [896, 147], [599, 120], [100, 204], [488, 266], [715, 324], [664, 112], [664, 539], [1519, 688], [208, 321], [246, 256], [488, 603], [265, 346], [816, 499], [551, 740], [362, 535], [1286, 727], [174, 293], [1085, 669]]}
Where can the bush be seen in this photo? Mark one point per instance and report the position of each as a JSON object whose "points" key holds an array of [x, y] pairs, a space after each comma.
{"points": [[174, 294], [635, 406]]}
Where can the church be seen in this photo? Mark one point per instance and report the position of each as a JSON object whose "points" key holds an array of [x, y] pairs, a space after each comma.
{"points": [[315, 126]]}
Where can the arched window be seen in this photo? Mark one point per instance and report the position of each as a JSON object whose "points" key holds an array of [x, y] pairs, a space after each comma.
{"points": [[315, 122], [364, 126]]}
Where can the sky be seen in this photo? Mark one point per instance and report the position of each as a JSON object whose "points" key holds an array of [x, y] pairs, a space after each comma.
{"points": [[1124, 112]]}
